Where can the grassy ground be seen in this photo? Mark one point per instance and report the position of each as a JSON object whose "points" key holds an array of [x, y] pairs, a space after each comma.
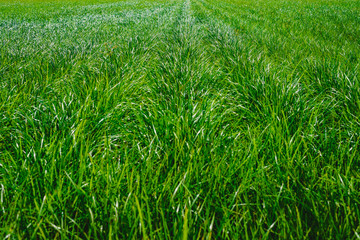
{"points": [[182, 119]]}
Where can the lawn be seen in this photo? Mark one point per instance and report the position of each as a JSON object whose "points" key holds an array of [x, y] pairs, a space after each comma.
{"points": [[180, 119]]}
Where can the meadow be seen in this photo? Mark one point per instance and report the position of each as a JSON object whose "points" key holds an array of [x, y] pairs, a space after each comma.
{"points": [[179, 119]]}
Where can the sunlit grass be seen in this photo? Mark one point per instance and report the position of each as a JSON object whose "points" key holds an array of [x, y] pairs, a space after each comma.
{"points": [[198, 119]]}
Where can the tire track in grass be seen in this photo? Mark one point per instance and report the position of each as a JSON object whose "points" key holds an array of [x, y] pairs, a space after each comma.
{"points": [[185, 118]]}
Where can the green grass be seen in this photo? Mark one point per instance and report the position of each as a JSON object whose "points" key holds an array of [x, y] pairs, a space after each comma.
{"points": [[182, 119]]}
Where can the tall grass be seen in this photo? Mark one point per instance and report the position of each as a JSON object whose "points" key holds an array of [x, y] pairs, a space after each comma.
{"points": [[182, 119]]}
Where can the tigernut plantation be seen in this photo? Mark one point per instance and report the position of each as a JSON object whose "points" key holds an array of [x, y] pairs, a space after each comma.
{"points": [[180, 119]]}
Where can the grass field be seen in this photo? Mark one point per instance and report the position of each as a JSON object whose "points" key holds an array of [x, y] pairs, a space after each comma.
{"points": [[180, 119]]}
